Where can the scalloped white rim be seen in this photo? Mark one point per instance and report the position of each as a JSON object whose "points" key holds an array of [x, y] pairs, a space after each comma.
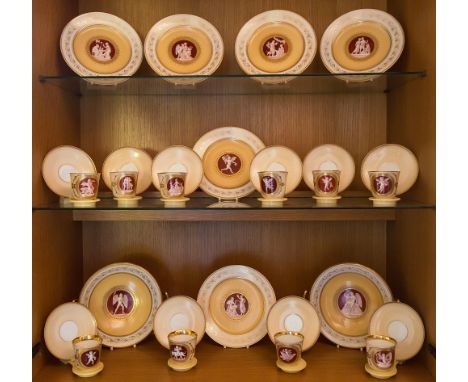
{"points": [[379, 152], [278, 15], [330, 151], [389, 22], [162, 26], [92, 18], [235, 133], [354, 342], [240, 272], [153, 287]]}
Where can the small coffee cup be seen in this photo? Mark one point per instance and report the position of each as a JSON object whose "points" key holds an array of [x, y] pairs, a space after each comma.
{"points": [[380, 351], [182, 345], [84, 187], [86, 362], [383, 185], [272, 187], [172, 186], [124, 184], [289, 351], [326, 185]]}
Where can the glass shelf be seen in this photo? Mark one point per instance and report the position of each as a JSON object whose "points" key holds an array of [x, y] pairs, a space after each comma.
{"points": [[236, 84]]}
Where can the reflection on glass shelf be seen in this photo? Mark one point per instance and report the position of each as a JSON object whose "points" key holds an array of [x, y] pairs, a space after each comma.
{"points": [[236, 84]]}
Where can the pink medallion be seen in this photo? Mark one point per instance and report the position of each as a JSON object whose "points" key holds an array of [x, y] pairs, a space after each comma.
{"points": [[178, 352], [275, 47], [269, 184], [90, 357], [127, 183], [351, 303], [383, 184], [229, 164], [88, 187], [326, 183], [120, 303], [184, 50], [287, 355], [361, 47], [102, 50], [383, 359], [236, 305], [175, 186]]}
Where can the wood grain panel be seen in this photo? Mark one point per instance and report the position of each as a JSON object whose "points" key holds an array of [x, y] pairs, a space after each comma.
{"points": [[181, 255], [325, 363], [56, 265]]}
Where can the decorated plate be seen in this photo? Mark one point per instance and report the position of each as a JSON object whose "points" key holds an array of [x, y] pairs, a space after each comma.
{"points": [[129, 159], [101, 44], [391, 157], [59, 163], [275, 42], [65, 323], [184, 45], [179, 159], [227, 153], [345, 297], [123, 297], [277, 158], [294, 314], [178, 312], [364, 40], [403, 323], [236, 300], [329, 157]]}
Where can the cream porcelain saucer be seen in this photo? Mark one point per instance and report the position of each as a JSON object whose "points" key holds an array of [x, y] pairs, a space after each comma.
{"points": [[277, 158], [296, 368], [178, 312], [295, 314], [128, 159], [364, 40], [88, 372], [101, 44], [236, 300], [182, 366], [65, 323], [403, 323], [124, 298], [227, 153], [345, 297], [391, 157], [381, 374], [59, 163], [184, 45], [179, 159], [275, 42], [329, 157]]}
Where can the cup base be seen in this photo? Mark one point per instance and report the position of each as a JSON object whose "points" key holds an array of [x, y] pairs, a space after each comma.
{"points": [[327, 199], [380, 202], [84, 203], [381, 374], [90, 372], [181, 200], [182, 366], [294, 368], [272, 200], [123, 199]]}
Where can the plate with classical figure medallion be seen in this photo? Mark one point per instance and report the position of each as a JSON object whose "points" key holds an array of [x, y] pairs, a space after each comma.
{"points": [[101, 44], [236, 300], [364, 40], [124, 298], [227, 153], [391, 157], [329, 157], [277, 158], [294, 314], [59, 163], [401, 322], [184, 45], [129, 159], [275, 42], [345, 297], [63, 325], [178, 313], [179, 159]]}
